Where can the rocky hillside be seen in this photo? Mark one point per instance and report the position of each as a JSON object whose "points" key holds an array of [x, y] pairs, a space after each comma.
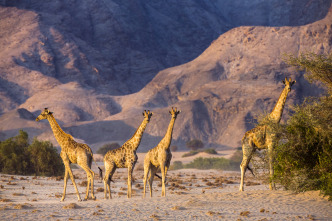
{"points": [[95, 64]]}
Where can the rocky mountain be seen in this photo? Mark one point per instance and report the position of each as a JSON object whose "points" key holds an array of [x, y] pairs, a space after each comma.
{"points": [[97, 64]]}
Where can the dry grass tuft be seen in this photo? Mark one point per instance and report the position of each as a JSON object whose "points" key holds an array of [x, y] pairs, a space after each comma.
{"points": [[10, 183], [84, 183], [5, 200], [121, 193], [244, 213], [178, 208], [71, 206], [262, 210], [100, 189], [18, 194], [58, 178], [20, 206]]}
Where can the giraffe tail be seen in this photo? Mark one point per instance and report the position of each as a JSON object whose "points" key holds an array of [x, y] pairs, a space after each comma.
{"points": [[252, 172], [100, 170], [158, 176]]}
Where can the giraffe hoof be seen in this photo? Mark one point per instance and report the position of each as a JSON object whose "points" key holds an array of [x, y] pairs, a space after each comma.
{"points": [[93, 198]]}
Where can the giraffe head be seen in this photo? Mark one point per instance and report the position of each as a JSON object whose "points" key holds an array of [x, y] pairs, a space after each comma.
{"points": [[174, 112], [44, 114], [147, 115], [288, 83]]}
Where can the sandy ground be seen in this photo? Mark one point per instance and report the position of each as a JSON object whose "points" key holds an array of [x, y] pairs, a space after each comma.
{"points": [[191, 195]]}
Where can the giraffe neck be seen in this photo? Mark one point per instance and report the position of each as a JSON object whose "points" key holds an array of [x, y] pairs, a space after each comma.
{"points": [[59, 134], [137, 137], [279, 107], [166, 141]]}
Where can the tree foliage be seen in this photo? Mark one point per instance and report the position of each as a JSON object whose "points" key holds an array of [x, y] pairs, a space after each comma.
{"points": [[17, 156], [318, 67], [195, 144], [304, 151], [107, 147]]}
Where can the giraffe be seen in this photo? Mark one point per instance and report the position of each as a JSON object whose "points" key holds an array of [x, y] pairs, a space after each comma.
{"points": [[160, 156], [124, 157], [261, 137], [71, 152]]}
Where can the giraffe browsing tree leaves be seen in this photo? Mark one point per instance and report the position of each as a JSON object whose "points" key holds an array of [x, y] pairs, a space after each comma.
{"points": [[261, 137]]}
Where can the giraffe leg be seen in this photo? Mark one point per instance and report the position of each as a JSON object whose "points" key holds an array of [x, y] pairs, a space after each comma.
{"points": [[271, 184], [67, 166], [163, 176], [130, 172], [109, 169], [247, 154], [146, 172], [90, 176], [153, 171], [65, 185]]}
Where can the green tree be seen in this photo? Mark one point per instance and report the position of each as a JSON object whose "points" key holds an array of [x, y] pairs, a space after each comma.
{"points": [[39, 158], [107, 147], [44, 159], [13, 157], [304, 153], [318, 67], [194, 144]]}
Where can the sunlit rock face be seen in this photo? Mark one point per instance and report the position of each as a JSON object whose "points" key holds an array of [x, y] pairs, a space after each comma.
{"points": [[98, 64]]}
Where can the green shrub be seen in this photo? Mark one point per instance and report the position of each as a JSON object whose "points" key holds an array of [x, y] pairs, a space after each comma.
{"points": [[210, 151], [107, 147], [194, 144], [45, 159], [194, 152], [303, 160], [191, 153], [209, 163], [39, 158], [176, 165], [13, 156], [304, 152]]}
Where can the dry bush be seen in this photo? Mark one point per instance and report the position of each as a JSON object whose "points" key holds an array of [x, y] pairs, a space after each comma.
{"points": [[121, 193], [10, 183], [244, 213], [84, 183], [250, 183], [100, 189], [58, 178], [5, 200], [71, 206]]}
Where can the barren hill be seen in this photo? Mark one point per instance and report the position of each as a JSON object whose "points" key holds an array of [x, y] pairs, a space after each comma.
{"points": [[95, 65]]}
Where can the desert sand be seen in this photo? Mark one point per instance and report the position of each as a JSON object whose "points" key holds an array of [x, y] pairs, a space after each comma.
{"points": [[191, 195]]}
